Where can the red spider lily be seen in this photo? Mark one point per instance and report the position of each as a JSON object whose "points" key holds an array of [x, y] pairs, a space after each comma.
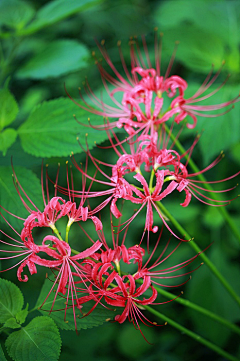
{"points": [[55, 208], [142, 89], [21, 249], [126, 291], [149, 197], [183, 107], [69, 269], [191, 186]]}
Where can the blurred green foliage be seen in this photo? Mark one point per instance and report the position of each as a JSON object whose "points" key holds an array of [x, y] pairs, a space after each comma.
{"points": [[46, 44]]}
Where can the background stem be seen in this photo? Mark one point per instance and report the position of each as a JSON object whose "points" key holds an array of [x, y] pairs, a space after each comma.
{"points": [[206, 260], [191, 334]]}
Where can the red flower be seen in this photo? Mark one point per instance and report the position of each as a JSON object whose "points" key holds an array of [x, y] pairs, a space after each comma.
{"points": [[140, 108]]}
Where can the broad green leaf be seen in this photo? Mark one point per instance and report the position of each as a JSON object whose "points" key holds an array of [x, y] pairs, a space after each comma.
{"points": [[11, 300], [39, 341], [96, 318], [206, 291], [9, 198], [21, 315], [202, 42], [2, 357], [8, 109], [12, 323], [58, 58], [51, 130], [194, 48], [57, 10], [203, 14], [15, 13], [7, 138]]}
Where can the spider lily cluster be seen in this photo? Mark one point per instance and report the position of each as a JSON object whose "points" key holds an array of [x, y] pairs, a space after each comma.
{"points": [[148, 169]]}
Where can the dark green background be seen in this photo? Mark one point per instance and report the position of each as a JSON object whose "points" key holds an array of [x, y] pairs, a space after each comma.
{"points": [[38, 56]]}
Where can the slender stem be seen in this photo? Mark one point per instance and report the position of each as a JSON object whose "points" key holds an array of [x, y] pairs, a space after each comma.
{"points": [[151, 181], [206, 260], [55, 230], [194, 167], [193, 335], [199, 309]]}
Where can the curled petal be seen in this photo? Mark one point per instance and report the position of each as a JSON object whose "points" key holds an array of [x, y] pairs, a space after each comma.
{"points": [[114, 208]]}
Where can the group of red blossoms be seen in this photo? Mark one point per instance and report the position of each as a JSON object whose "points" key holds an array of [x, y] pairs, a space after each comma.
{"points": [[96, 273]]}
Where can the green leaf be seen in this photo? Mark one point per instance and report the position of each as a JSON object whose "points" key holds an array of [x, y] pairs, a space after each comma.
{"points": [[193, 50], [15, 14], [58, 58], [7, 138], [51, 130], [12, 323], [194, 25], [57, 10], [2, 356], [11, 300], [9, 198], [39, 341], [202, 14], [96, 318], [8, 109], [21, 315]]}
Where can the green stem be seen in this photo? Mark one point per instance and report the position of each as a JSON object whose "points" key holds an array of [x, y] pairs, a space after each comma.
{"points": [[151, 181], [191, 334], [55, 230], [194, 167], [199, 309], [206, 260]]}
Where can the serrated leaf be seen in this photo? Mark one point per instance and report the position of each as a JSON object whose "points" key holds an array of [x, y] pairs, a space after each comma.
{"points": [[96, 318], [11, 300], [55, 11], [2, 356], [12, 323], [7, 138], [38, 341], [21, 315], [15, 13], [8, 109], [58, 58], [9, 197], [51, 130]]}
